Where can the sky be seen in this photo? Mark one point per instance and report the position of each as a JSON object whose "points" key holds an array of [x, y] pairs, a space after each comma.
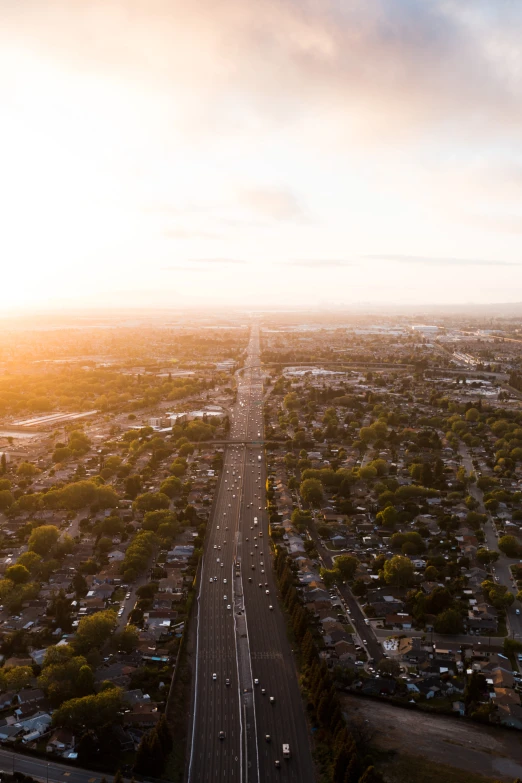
{"points": [[259, 152]]}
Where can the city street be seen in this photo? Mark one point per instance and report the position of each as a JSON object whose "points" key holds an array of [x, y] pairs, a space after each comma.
{"points": [[502, 566]]}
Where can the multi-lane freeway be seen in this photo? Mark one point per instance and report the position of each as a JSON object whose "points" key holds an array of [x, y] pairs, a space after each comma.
{"points": [[247, 702]]}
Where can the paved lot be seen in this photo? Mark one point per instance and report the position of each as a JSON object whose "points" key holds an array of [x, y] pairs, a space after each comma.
{"points": [[442, 740]]}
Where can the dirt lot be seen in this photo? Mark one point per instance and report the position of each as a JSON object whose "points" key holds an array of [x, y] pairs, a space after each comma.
{"points": [[483, 750]]}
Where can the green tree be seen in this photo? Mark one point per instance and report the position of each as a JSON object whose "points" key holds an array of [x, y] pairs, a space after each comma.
{"points": [[61, 454], [311, 490], [18, 574], [66, 679], [368, 473], [347, 566], [6, 499], [151, 501], [132, 486], [291, 401], [387, 517], [16, 678], [27, 470], [329, 576], [31, 561], [126, 640], [172, 487], [80, 586], [510, 546], [399, 571], [486, 556], [43, 539], [89, 712], [94, 630], [449, 622]]}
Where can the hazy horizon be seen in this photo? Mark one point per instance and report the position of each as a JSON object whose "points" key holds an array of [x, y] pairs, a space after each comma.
{"points": [[231, 153]]}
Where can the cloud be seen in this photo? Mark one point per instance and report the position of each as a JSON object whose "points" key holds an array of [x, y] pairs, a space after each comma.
{"points": [[313, 263], [273, 203], [217, 261], [431, 261], [197, 264], [399, 62], [179, 268], [184, 233]]}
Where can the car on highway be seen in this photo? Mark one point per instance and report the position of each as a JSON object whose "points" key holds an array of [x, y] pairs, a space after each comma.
{"points": [[272, 699], [224, 581], [267, 737], [222, 735], [270, 607], [225, 597], [211, 579], [214, 676], [227, 681], [267, 592], [263, 691], [256, 681], [228, 606]]}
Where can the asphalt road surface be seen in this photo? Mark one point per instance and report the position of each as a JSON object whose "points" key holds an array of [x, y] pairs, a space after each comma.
{"points": [[501, 569], [46, 771], [241, 629], [365, 632]]}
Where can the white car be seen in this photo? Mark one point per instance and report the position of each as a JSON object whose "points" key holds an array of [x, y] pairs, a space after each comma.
{"points": [[224, 581], [256, 681], [228, 606], [214, 676]]}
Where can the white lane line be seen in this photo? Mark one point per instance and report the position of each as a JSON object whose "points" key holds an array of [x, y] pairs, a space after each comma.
{"points": [[196, 677]]}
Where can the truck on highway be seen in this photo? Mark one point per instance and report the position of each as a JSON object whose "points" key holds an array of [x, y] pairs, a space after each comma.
{"points": [[286, 751]]}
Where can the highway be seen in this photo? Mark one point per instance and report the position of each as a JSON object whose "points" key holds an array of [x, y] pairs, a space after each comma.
{"points": [[241, 631]]}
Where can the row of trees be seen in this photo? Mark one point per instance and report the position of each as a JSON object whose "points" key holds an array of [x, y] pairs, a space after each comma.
{"points": [[73, 496], [154, 750], [342, 761]]}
